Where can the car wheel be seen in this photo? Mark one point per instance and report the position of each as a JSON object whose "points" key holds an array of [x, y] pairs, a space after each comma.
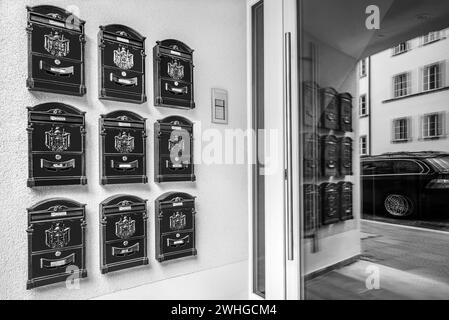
{"points": [[399, 205]]}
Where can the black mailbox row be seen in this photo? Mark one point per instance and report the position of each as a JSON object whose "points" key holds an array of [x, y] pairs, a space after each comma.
{"points": [[56, 41], [332, 109], [57, 235], [327, 204], [56, 134], [327, 156]]}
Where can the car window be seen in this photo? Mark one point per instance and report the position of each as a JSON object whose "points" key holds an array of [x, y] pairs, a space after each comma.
{"points": [[406, 166], [377, 167], [441, 164]]}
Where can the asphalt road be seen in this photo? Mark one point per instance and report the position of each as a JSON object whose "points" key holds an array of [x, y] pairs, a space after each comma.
{"points": [[440, 222]]}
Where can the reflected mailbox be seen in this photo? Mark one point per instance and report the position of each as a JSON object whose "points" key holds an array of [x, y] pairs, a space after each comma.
{"points": [[122, 64], [173, 74], [175, 226], [56, 145], [56, 242], [330, 198], [173, 150], [345, 156], [312, 146], [329, 109], [122, 148], [312, 208], [345, 102], [311, 101], [329, 147], [55, 51], [123, 233], [345, 190]]}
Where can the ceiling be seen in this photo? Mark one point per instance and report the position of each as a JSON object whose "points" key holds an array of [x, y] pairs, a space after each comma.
{"points": [[341, 23]]}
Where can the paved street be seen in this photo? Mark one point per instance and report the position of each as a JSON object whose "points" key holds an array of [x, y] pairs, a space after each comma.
{"points": [[435, 222], [412, 264]]}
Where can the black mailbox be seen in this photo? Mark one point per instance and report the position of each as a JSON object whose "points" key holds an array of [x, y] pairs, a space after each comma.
{"points": [[330, 209], [312, 208], [55, 51], [56, 242], [345, 156], [173, 74], [329, 109], [122, 148], [175, 226], [312, 146], [345, 102], [329, 147], [123, 233], [56, 145], [122, 64], [311, 101], [173, 150], [345, 190]]}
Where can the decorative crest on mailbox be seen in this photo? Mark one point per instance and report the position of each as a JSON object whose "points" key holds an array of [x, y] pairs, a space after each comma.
{"points": [[124, 142], [125, 228], [58, 236], [123, 58], [56, 44], [175, 70], [57, 139], [178, 221]]}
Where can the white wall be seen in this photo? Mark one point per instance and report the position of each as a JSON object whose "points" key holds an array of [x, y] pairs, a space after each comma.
{"points": [[384, 67], [216, 30]]}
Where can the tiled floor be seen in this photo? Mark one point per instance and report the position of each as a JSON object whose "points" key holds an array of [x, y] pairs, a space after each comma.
{"points": [[411, 264]]}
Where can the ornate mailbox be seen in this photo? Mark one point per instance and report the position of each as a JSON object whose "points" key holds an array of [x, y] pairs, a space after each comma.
{"points": [[312, 208], [173, 74], [122, 64], [345, 190], [312, 146], [55, 51], [56, 242], [173, 150], [175, 226], [329, 147], [345, 156], [123, 233], [329, 109], [311, 102], [330, 209], [122, 148], [56, 145], [345, 103]]}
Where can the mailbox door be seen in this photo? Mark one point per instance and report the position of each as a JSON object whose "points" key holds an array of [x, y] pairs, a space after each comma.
{"points": [[331, 203], [345, 101], [345, 156], [346, 210], [330, 156], [329, 109]]}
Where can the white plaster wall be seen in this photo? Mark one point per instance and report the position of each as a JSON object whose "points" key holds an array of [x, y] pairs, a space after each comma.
{"points": [[384, 67], [216, 30]]}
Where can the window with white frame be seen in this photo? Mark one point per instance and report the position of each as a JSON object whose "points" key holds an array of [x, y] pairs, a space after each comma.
{"points": [[402, 84], [363, 106], [363, 145], [433, 76], [431, 37], [401, 130], [433, 125], [363, 68], [401, 48]]}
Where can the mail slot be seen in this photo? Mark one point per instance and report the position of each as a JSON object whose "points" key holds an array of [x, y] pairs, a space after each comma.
{"points": [[312, 152], [329, 147], [123, 233], [55, 51], [330, 197], [122, 64], [312, 208], [345, 190], [173, 150], [56, 145], [329, 109], [345, 106], [173, 74], [175, 226], [122, 148], [345, 156], [56, 242], [311, 103]]}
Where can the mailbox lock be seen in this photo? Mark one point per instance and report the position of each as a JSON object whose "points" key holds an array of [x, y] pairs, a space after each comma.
{"points": [[57, 62], [58, 157], [124, 158], [57, 253], [125, 243], [178, 235]]}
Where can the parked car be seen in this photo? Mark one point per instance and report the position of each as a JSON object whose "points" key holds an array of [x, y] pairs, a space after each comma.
{"points": [[405, 184]]}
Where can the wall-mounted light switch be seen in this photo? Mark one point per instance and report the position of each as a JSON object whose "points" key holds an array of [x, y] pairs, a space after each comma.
{"points": [[219, 106]]}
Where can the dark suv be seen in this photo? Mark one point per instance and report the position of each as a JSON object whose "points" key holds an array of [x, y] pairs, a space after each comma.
{"points": [[405, 184]]}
